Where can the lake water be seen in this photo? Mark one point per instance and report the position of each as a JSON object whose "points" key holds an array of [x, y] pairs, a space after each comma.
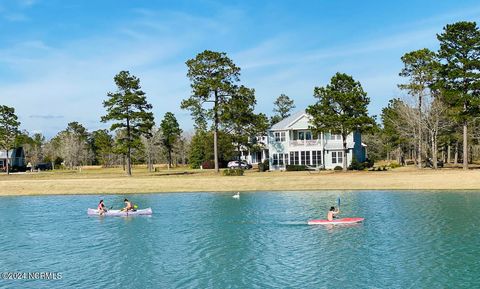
{"points": [[210, 240]]}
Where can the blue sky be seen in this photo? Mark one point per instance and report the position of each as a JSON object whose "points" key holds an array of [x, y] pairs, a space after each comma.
{"points": [[58, 58]]}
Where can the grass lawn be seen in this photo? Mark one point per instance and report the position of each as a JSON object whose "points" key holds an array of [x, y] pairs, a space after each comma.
{"points": [[94, 180]]}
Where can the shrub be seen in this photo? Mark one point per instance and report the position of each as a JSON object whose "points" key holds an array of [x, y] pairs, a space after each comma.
{"points": [[368, 163], [263, 167], [208, 165], [233, 172], [356, 166], [394, 165], [338, 168], [291, 168]]}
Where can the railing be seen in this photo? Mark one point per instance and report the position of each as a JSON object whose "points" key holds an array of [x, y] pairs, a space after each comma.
{"points": [[299, 142]]}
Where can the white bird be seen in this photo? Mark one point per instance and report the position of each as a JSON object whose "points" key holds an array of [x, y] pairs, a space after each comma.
{"points": [[236, 196]]}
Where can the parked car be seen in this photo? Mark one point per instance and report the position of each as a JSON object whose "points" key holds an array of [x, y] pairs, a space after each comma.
{"points": [[43, 166], [235, 164]]}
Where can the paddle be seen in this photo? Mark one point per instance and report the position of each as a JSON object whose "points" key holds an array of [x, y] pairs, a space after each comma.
{"points": [[338, 203]]}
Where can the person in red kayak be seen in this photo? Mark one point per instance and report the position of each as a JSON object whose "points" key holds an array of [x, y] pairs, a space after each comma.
{"points": [[101, 208], [332, 213]]}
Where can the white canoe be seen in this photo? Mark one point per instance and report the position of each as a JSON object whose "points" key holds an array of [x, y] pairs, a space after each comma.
{"points": [[119, 213]]}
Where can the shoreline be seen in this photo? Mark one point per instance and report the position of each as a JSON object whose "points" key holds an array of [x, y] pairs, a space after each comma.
{"points": [[106, 181]]}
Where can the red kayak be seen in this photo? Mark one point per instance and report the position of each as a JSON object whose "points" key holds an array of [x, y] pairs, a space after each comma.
{"points": [[336, 221]]}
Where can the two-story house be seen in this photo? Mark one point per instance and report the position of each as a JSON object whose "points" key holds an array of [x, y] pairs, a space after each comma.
{"points": [[291, 142]]}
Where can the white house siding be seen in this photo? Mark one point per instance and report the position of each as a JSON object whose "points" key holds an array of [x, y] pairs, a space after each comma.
{"points": [[291, 142], [257, 157]]}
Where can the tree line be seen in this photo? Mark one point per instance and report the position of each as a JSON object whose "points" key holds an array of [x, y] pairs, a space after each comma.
{"points": [[223, 111], [436, 118]]}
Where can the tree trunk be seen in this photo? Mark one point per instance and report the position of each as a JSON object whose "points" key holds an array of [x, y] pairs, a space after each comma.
{"points": [[129, 162], [8, 163], [465, 146], [455, 158], [129, 149], [345, 150], [434, 150], [420, 131], [448, 153], [240, 157], [149, 162], [169, 158], [215, 133]]}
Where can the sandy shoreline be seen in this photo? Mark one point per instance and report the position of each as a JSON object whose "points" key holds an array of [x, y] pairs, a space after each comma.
{"points": [[116, 183]]}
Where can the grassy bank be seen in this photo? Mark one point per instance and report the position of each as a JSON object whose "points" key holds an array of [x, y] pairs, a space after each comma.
{"points": [[114, 181]]}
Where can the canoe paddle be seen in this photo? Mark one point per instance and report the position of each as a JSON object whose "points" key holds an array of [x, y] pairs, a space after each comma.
{"points": [[338, 203]]}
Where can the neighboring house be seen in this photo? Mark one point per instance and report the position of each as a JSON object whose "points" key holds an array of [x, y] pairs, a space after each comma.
{"points": [[257, 155], [16, 159], [291, 142]]}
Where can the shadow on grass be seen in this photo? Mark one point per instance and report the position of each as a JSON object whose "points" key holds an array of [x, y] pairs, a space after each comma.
{"points": [[174, 174]]}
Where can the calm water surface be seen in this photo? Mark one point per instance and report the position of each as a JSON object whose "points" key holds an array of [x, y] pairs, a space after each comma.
{"points": [[210, 240]]}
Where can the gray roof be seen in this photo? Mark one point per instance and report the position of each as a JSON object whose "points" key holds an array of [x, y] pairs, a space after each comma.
{"points": [[283, 124], [338, 145]]}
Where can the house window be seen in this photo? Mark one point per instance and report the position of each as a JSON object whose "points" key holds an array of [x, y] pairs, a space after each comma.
{"points": [[308, 135], [280, 159], [294, 158], [303, 157], [286, 158], [280, 136], [335, 137], [301, 135], [318, 159], [337, 157], [275, 159], [307, 157], [314, 158]]}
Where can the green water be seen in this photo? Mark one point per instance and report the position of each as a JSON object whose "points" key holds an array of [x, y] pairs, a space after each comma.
{"points": [[210, 240]]}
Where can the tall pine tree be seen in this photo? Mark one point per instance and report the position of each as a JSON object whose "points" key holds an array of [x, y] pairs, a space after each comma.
{"points": [[341, 108], [460, 73], [213, 79], [130, 111], [171, 132]]}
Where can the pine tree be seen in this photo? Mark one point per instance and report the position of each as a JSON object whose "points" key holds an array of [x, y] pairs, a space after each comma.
{"points": [[130, 109], [341, 108]]}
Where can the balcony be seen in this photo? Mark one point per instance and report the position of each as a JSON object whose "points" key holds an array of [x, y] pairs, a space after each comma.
{"points": [[304, 143]]}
